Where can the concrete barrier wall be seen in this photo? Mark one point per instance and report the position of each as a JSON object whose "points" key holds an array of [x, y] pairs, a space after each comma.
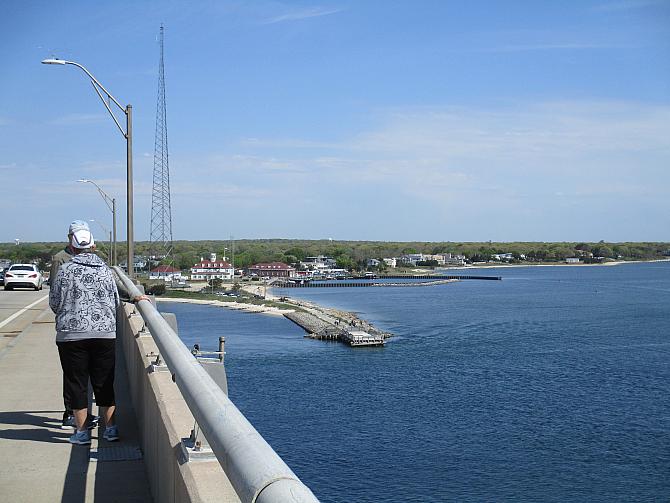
{"points": [[163, 420]]}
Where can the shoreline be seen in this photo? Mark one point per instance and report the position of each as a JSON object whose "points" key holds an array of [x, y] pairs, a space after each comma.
{"points": [[328, 316], [236, 306], [561, 264], [349, 318]]}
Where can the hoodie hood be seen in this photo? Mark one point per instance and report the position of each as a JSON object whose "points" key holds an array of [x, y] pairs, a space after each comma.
{"points": [[88, 259]]}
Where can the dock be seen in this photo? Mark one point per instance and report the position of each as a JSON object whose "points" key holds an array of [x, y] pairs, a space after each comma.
{"points": [[363, 282], [356, 334]]}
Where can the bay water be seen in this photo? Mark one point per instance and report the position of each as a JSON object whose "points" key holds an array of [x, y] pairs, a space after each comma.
{"points": [[550, 385]]}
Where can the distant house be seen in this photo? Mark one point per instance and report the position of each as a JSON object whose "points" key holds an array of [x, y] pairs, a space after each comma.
{"points": [[206, 270], [450, 259], [503, 256], [320, 262], [391, 262], [166, 273], [139, 263], [412, 258], [372, 262], [271, 270], [572, 260]]}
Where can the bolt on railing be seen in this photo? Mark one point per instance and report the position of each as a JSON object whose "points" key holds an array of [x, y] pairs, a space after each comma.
{"points": [[255, 470]]}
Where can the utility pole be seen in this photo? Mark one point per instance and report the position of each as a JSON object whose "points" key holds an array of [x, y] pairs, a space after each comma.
{"points": [[232, 246]]}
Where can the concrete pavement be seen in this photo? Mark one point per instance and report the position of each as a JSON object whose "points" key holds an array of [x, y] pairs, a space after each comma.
{"points": [[38, 462]]}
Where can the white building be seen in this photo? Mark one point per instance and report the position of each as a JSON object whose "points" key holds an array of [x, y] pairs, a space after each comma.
{"points": [[502, 256], [412, 258], [452, 259], [166, 273], [320, 262], [210, 269], [391, 262]]}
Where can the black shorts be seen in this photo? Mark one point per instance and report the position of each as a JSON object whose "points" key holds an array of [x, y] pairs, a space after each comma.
{"points": [[84, 359]]}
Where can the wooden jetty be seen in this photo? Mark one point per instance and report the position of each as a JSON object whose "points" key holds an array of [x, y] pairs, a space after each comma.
{"points": [[363, 282]]}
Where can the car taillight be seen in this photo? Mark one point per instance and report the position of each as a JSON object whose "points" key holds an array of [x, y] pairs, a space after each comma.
{"points": [[8, 275], [33, 276]]}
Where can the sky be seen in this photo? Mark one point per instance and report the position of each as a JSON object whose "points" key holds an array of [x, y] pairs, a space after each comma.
{"points": [[350, 120]]}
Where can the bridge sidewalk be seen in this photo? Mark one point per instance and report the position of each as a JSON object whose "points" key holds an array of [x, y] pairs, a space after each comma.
{"points": [[38, 462]]}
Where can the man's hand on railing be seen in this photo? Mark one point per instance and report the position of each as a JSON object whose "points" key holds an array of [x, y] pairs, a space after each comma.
{"points": [[138, 298]]}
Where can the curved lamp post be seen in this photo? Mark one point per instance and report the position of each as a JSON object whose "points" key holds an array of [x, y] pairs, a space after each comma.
{"points": [[111, 204], [104, 229], [128, 135]]}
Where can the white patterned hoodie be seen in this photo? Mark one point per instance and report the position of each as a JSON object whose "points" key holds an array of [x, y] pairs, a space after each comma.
{"points": [[84, 298]]}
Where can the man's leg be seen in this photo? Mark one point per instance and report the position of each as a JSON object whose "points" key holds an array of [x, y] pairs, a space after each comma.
{"points": [[102, 366], [107, 414], [68, 417], [74, 357], [80, 418]]}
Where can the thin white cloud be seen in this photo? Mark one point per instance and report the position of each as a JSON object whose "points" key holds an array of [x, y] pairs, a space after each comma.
{"points": [[627, 5], [549, 130], [286, 143], [302, 14], [508, 154], [76, 119], [567, 46]]}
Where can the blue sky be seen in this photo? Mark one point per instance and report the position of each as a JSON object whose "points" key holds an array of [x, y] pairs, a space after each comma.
{"points": [[398, 121]]}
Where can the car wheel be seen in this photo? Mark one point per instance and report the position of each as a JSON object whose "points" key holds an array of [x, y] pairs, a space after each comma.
{"points": [[37, 287], [8, 287]]}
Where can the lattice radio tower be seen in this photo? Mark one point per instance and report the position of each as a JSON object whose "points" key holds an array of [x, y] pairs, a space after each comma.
{"points": [[161, 211]]}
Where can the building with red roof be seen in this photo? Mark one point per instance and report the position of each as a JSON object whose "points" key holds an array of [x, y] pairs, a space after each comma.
{"points": [[271, 270], [206, 270]]}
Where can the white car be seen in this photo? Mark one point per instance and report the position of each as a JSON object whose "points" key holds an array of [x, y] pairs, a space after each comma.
{"points": [[23, 276]]}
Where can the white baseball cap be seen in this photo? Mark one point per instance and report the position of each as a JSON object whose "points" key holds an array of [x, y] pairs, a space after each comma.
{"points": [[78, 225], [82, 239]]}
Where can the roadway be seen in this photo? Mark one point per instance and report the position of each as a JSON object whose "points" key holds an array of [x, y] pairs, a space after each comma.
{"points": [[38, 462]]}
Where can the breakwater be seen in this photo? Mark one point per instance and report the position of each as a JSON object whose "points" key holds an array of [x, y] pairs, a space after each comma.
{"points": [[439, 276], [331, 324], [369, 282]]}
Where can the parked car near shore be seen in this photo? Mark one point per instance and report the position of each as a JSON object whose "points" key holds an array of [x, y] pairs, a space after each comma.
{"points": [[23, 276]]}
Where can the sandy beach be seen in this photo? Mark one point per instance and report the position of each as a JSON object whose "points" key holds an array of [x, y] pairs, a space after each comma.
{"points": [[239, 306]]}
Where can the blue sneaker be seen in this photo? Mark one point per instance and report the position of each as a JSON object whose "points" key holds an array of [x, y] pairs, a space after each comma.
{"points": [[111, 433], [68, 422], [92, 422], [81, 437]]}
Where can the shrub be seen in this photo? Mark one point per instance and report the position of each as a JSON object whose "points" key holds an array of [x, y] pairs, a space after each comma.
{"points": [[155, 289]]}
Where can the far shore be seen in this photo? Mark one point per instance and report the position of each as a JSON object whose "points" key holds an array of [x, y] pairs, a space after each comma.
{"points": [[490, 265], [275, 311]]}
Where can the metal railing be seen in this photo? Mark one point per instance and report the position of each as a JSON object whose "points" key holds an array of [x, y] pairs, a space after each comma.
{"points": [[255, 470]]}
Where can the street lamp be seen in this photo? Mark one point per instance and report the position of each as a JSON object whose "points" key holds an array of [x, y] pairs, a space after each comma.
{"points": [[104, 229], [128, 135], [112, 207]]}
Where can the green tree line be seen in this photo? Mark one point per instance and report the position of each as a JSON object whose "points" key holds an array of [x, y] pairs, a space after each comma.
{"points": [[353, 254]]}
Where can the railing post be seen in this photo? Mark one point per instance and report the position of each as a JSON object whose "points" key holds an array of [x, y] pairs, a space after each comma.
{"points": [[222, 345]]}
